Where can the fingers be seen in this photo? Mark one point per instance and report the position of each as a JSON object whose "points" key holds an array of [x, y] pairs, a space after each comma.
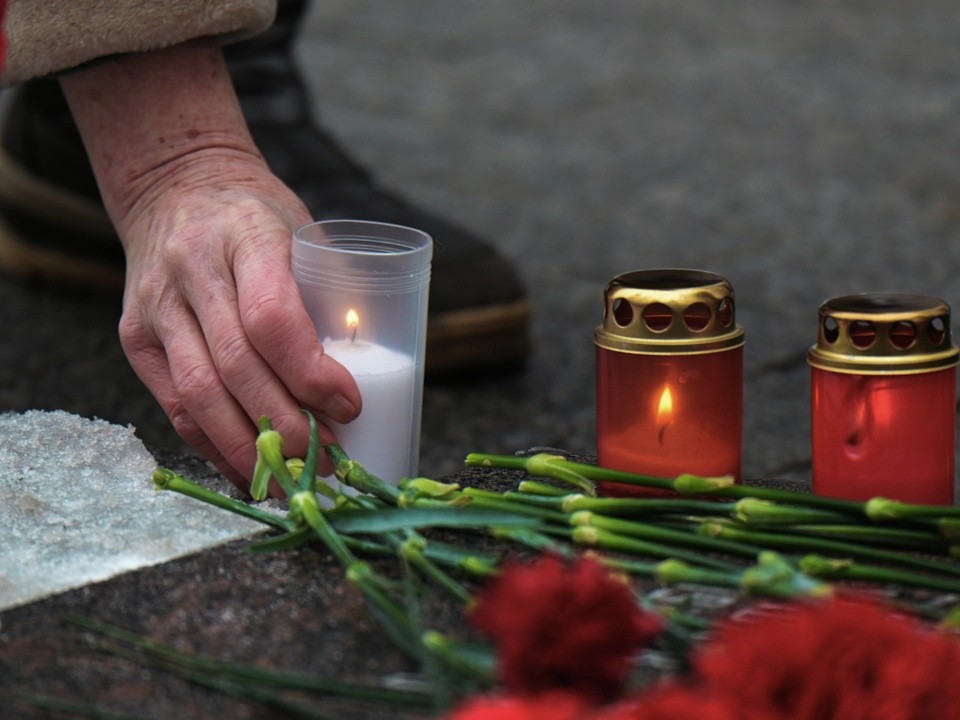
{"points": [[199, 408], [279, 328], [215, 327], [191, 348], [254, 381]]}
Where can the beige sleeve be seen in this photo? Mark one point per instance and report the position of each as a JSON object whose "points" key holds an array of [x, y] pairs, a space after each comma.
{"points": [[48, 36]]}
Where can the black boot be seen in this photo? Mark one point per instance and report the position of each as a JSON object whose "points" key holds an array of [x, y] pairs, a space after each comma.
{"points": [[52, 223]]}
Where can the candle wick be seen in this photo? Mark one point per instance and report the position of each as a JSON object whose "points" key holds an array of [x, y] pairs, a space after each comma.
{"points": [[663, 430], [353, 333]]}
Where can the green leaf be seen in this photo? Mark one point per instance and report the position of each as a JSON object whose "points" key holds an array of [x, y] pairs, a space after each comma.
{"points": [[388, 519]]}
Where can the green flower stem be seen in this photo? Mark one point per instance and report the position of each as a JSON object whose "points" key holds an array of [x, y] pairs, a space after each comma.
{"points": [[685, 484], [879, 508], [555, 464], [532, 539], [270, 454], [873, 534], [649, 531], [641, 507], [551, 502], [753, 511], [464, 664], [474, 564], [425, 487], [421, 554], [303, 505], [250, 692], [308, 475], [596, 537], [164, 479], [832, 569], [352, 473], [676, 572], [535, 487], [472, 561], [805, 544], [947, 527], [773, 576], [632, 567], [313, 684], [365, 546], [287, 541], [496, 501], [392, 617], [412, 551]]}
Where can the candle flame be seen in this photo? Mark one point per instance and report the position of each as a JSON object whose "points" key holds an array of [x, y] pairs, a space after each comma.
{"points": [[665, 406], [353, 322], [664, 411]]}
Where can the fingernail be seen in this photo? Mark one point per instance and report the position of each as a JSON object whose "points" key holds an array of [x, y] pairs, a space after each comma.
{"points": [[339, 408]]}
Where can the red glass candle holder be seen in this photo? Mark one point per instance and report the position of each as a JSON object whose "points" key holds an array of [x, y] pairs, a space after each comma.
{"points": [[883, 399], [669, 376]]}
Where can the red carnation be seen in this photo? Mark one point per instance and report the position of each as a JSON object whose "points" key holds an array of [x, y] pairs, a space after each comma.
{"points": [[845, 658], [563, 625], [555, 705], [672, 702]]}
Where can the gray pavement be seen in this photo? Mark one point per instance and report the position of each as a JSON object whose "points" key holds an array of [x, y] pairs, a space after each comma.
{"points": [[802, 149]]}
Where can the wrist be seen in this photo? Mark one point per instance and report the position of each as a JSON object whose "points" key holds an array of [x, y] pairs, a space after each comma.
{"points": [[158, 120]]}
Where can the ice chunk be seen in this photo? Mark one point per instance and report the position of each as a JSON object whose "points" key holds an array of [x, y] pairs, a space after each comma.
{"points": [[77, 505]]}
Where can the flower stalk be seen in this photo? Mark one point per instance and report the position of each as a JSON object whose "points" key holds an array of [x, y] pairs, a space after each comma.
{"points": [[164, 479], [685, 484], [803, 543]]}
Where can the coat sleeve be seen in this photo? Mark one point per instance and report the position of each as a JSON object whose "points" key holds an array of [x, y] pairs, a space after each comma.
{"points": [[50, 36]]}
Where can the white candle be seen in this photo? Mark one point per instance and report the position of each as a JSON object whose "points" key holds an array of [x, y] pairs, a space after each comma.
{"points": [[380, 438]]}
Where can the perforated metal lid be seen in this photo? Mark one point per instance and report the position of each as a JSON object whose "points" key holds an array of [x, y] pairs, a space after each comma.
{"points": [[668, 311], [884, 334]]}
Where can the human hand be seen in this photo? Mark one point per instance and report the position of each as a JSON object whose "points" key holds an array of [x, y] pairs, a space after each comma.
{"points": [[212, 320]]}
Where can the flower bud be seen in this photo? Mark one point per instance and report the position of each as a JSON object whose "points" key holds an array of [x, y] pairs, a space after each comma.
{"points": [[687, 484]]}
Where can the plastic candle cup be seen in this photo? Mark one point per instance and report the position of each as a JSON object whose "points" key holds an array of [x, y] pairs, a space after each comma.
{"points": [[669, 376], [365, 285], [883, 399]]}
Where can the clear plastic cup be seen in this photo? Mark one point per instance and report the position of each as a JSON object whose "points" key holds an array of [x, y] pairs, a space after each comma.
{"points": [[365, 285]]}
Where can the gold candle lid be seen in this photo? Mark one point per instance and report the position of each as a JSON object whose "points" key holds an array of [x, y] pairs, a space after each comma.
{"points": [[876, 334], [668, 312]]}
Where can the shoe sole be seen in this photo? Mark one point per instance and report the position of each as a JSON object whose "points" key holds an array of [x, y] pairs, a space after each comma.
{"points": [[478, 338], [27, 261], [65, 214]]}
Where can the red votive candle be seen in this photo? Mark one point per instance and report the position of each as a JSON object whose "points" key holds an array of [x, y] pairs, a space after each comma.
{"points": [[883, 399], [669, 377]]}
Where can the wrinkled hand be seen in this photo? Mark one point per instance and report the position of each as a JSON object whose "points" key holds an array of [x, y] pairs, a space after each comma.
{"points": [[212, 320]]}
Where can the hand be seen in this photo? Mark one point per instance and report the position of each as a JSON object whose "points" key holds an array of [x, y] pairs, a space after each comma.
{"points": [[212, 319]]}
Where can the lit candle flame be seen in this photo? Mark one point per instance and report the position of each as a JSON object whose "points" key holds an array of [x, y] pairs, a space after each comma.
{"points": [[664, 411], [353, 322]]}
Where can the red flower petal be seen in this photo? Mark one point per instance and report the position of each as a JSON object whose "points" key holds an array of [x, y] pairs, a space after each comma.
{"points": [[552, 705], [845, 658], [560, 625], [673, 702]]}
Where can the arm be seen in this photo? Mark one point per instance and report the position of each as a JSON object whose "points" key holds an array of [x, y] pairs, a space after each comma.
{"points": [[212, 319]]}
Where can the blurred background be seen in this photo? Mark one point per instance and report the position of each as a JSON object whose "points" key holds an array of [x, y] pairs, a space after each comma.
{"points": [[801, 149]]}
